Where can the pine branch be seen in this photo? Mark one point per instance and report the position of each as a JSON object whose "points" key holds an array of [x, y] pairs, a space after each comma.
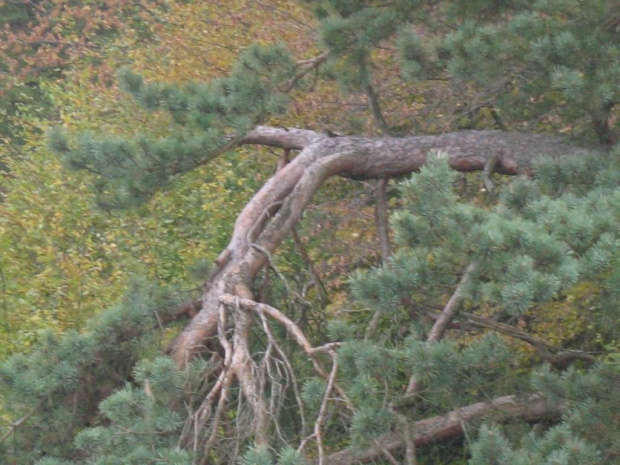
{"points": [[381, 219], [308, 66], [432, 430], [375, 107], [489, 168], [314, 276], [381, 223], [444, 319], [553, 354]]}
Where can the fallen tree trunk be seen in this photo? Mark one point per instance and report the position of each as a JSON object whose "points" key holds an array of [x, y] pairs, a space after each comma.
{"points": [[440, 428], [271, 214]]}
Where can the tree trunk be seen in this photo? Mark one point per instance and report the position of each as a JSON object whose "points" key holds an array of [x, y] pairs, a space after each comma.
{"points": [[271, 214]]}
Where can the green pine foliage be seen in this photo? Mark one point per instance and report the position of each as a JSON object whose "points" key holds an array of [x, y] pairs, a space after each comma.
{"points": [[526, 250], [526, 253], [537, 59], [59, 385], [559, 51], [535, 245], [546, 244], [588, 434], [261, 456], [207, 119]]}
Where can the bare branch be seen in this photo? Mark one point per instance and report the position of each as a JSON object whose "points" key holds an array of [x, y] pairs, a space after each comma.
{"points": [[489, 168], [295, 331], [221, 388], [381, 219], [245, 370], [381, 223], [319, 421], [291, 327], [443, 320], [289, 367], [375, 108]]}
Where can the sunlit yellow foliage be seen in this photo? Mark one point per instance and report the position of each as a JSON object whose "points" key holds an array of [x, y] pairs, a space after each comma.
{"points": [[62, 259]]}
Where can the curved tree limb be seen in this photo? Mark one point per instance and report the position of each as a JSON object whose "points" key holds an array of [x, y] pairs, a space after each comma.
{"points": [[320, 158]]}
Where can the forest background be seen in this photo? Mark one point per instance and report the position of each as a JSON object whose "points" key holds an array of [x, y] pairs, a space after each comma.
{"points": [[68, 254]]}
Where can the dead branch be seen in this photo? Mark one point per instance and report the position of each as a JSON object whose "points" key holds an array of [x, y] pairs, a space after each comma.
{"points": [[220, 389], [245, 371], [319, 421], [295, 331], [291, 327], [289, 367]]}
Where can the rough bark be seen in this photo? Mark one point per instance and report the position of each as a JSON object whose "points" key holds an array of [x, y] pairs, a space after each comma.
{"points": [[271, 214], [439, 428]]}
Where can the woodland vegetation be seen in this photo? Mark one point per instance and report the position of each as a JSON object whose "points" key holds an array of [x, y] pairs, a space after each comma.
{"points": [[317, 232]]}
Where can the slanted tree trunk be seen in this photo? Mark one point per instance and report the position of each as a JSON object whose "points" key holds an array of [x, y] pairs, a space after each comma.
{"points": [[271, 214]]}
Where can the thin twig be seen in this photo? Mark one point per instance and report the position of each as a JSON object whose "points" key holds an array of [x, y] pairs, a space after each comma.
{"points": [[308, 66], [295, 331], [292, 328], [546, 350], [375, 107], [289, 367], [386, 453]]}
